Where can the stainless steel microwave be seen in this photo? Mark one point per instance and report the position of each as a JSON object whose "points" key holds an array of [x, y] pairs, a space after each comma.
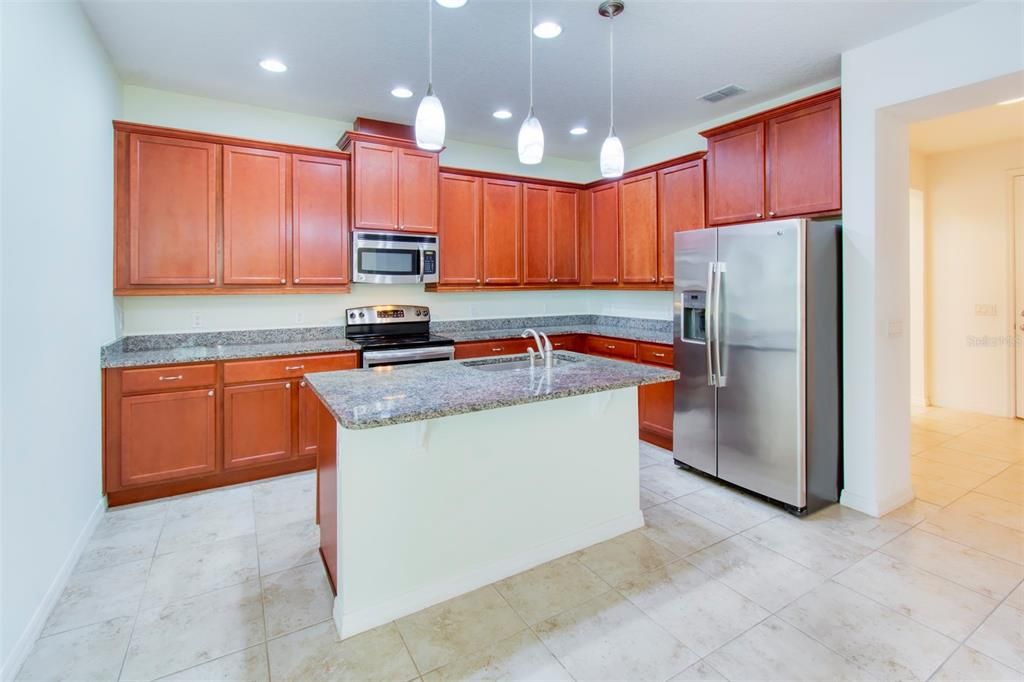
{"points": [[389, 258]]}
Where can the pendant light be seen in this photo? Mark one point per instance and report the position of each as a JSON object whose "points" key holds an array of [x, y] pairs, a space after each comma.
{"points": [[430, 115], [531, 135], [613, 158]]}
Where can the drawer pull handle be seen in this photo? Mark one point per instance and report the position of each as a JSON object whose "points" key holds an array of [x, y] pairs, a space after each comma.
{"points": [[293, 368], [497, 350], [610, 347], [174, 378], [659, 355]]}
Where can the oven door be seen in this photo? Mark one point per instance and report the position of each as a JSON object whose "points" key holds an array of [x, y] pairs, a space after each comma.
{"points": [[407, 356], [393, 259]]}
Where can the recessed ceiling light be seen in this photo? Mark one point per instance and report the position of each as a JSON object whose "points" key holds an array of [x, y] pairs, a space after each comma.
{"points": [[402, 92], [1011, 101], [451, 4], [502, 114], [273, 65], [578, 130], [547, 29]]}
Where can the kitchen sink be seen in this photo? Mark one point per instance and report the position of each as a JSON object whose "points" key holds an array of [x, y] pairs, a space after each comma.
{"points": [[517, 363]]}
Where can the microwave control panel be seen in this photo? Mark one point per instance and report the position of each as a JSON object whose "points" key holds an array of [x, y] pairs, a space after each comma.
{"points": [[429, 262]]}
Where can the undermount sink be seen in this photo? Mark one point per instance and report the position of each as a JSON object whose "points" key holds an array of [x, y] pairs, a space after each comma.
{"points": [[519, 363]]}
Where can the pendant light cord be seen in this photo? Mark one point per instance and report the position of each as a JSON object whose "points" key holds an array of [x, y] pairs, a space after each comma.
{"points": [[611, 73], [430, 43], [531, 57]]}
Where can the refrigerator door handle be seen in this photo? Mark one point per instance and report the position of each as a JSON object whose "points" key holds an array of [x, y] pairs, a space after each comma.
{"points": [[710, 323], [719, 374]]}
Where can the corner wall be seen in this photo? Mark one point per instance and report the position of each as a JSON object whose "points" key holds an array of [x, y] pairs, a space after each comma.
{"points": [[59, 94]]}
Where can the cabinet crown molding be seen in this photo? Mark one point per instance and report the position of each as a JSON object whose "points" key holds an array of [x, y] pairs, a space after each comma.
{"points": [[214, 138], [762, 116]]}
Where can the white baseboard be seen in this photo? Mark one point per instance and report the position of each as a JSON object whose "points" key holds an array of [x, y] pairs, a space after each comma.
{"points": [[875, 507], [28, 637], [367, 619]]}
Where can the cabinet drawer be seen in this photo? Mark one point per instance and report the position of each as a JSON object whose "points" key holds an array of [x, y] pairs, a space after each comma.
{"points": [[479, 349], [655, 354], [616, 348], [572, 342], [168, 378], [285, 368]]}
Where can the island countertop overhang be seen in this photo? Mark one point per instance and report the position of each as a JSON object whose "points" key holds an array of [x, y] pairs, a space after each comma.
{"points": [[372, 398]]}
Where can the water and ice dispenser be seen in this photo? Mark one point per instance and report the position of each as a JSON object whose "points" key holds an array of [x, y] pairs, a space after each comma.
{"points": [[694, 316]]}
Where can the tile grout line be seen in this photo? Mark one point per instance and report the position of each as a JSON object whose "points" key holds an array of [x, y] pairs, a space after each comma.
{"points": [[259, 577]]}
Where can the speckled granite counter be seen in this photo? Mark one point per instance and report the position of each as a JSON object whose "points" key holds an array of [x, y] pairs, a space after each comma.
{"points": [[630, 329], [363, 399]]}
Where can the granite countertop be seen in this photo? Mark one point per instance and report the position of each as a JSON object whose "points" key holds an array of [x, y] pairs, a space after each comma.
{"points": [[370, 398], [613, 331]]}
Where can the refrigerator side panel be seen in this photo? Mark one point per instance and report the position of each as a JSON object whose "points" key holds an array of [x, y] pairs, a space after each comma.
{"points": [[694, 437], [761, 394]]}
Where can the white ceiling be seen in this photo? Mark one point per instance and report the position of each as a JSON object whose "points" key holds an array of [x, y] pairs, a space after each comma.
{"points": [[973, 128], [344, 56]]}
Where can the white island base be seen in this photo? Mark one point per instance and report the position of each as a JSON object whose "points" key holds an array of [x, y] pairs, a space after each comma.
{"points": [[432, 509]]}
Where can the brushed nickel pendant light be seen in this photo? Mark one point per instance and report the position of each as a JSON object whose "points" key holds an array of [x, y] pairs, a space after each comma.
{"points": [[613, 158], [430, 114], [531, 135]]}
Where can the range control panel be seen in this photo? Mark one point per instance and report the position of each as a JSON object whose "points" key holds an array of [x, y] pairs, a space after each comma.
{"points": [[387, 314]]}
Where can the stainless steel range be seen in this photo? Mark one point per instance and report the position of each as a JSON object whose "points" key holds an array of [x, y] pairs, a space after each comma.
{"points": [[396, 335]]}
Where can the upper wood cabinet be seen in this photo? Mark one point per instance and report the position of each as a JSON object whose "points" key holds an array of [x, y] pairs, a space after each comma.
{"points": [[320, 234], [255, 217], [460, 230], [170, 193], [565, 235], [395, 187], [638, 227], [779, 163], [680, 208], [550, 234], [502, 228], [604, 234]]}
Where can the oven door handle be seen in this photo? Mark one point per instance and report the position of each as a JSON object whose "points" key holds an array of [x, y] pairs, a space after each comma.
{"points": [[433, 353]]}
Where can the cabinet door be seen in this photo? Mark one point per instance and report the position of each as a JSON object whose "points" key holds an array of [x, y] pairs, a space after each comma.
{"points": [[656, 407], [638, 227], [680, 208], [319, 220], [604, 234], [459, 232], [309, 407], [536, 234], [255, 222], [736, 176], [257, 423], [417, 190], [172, 204], [168, 435], [803, 163], [565, 236], [375, 186], [502, 229]]}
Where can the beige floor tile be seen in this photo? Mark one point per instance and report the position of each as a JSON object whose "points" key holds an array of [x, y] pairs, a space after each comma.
{"points": [[767, 578], [964, 460], [913, 512], [701, 671], [93, 652], [1014, 472], [921, 440], [1001, 637], [187, 633], [957, 416], [886, 644], [943, 426], [799, 541], [936, 492], [98, 596], [458, 627], [845, 524], [993, 509], [1016, 598], [284, 500], [625, 557], [696, 609], [291, 545], [730, 508], [968, 664], [249, 665], [647, 459], [650, 499], [551, 588], [978, 571], [775, 650], [117, 518], [980, 534], [205, 518], [1004, 488], [680, 530], [296, 598], [316, 655], [928, 599], [608, 638], [184, 574], [521, 657], [920, 467], [670, 481], [986, 446], [130, 542]]}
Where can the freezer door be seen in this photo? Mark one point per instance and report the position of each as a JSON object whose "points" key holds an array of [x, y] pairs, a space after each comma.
{"points": [[694, 440], [761, 387]]}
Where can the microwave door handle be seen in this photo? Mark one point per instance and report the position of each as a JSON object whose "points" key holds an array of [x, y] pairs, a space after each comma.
{"points": [[423, 265]]}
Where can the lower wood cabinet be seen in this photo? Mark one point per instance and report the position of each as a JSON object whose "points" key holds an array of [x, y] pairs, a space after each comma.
{"points": [[656, 402], [258, 423], [481, 349]]}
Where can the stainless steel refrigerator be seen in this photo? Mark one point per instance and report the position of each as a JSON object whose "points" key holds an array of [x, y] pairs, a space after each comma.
{"points": [[757, 344]]}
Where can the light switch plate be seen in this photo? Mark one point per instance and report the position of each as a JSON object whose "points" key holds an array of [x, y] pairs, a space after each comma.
{"points": [[985, 309], [894, 329]]}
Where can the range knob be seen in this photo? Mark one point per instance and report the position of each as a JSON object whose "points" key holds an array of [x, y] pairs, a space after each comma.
{"points": [[352, 316], [362, 314]]}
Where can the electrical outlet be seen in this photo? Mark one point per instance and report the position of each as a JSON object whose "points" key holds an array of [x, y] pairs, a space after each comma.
{"points": [[895, 329], [985, 309], [197, 320], [300, 317]]}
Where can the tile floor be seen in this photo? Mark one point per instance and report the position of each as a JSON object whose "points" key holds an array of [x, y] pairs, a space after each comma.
{"points": [[227, 585]]}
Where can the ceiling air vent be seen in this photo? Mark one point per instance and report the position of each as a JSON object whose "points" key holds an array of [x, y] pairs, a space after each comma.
{"points": [[721, 93]]}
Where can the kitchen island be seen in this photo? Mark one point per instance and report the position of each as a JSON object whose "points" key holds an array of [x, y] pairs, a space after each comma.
{"points": [[436, 479]]}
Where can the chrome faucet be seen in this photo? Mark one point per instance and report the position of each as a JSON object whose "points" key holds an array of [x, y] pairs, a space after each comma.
{"points": [[549, 354], [544, 348]]}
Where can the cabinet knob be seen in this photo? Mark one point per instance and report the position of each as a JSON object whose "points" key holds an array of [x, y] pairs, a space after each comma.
{"points": [[478, 280], [288, 385], [282, 280], [211, 280], [302, 384], [210, 394], [771, 214], [758, 215], [296, 280]]}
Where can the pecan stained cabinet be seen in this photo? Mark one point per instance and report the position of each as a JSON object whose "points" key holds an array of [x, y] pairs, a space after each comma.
{"points": [[638, 229], [459, 232], [736, 175], [502, 228], [655, 402], [680, 208], [604, 234], [550, 234], [395, 184], [255, 218], [319, 220]]}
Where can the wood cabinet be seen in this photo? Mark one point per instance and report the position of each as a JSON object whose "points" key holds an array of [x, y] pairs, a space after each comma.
{"points": [[257, 423], [680, 208], [308, 441], [736, 175], [459, 233], [170, 193], [481, 349], [502, 228], [638, 229], [255, 219], [550, 234], [167, 435], [604, 234], [417, 190], [320, 231], [613, 348], [655, 402], [395, 184], [565, 235]]}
